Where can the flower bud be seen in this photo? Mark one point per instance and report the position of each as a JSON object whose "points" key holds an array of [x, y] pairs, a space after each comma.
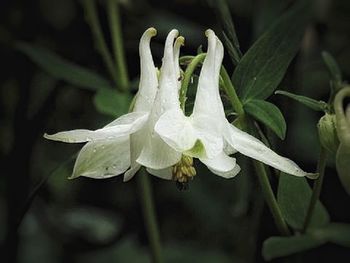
{"points": [[328, 133], [343, 130]]}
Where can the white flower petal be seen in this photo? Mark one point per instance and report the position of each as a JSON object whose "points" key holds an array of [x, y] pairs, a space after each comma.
{"points": [[168, 96], [178, 43], [137, 142], [163, 173], [252, 147], [133, 119], [209, 131], [185, 133], [222, 165], [148, 85], [129, 174], [156, 154], [208, 99], [176, 130], [122, 126], [103, 158]]}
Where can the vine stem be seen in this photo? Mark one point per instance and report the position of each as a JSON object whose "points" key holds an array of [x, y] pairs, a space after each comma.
{"points": [[149, 214], [270, 198], [316, 190], [118, 46], [187, 77], [231, 92], [94, 23], [260, 168]]}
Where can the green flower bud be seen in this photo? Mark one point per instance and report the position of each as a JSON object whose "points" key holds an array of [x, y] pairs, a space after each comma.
{"points": [[328, 133], [343, 131]]}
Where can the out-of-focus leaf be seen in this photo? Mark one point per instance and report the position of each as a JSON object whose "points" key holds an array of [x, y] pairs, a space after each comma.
{"points": [[188, 253], [332, 66], [90, 223], [267, 13], [263, 66], [337, 233], [317, 105], [293, 196], [62, 69], [268, 114], [230, 39], [112, 102], [275, 247]]}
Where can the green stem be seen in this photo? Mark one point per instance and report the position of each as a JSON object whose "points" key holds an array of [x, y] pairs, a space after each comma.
{"points": [[231, 92], [187, 77], [149, 214], [118, 47], [321, 165], [260, 169], [270, 198], [101, 46]]}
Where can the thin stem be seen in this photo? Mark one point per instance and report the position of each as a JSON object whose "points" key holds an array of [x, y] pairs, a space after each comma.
{"points": [[321, 165], [231, 92], [260, 169], [187, 77], [100, 43], [149, 214], [270, 198], [118, 46]]}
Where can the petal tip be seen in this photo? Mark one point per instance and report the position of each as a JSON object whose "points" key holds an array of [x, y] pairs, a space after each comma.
{"points": [[209, 32], [312, 175], [73, 176], [180, 41], [49, 137], [151, 31]]}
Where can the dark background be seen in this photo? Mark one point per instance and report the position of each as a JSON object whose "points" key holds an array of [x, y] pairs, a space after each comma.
{"points": [[86, 220]]}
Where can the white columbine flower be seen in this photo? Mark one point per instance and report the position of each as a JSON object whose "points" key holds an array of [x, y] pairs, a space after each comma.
{"points": [[207, 134], [113, 149]]}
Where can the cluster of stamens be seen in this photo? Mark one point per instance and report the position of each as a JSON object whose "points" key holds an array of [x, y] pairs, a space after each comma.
{"points": [[184, 171]]}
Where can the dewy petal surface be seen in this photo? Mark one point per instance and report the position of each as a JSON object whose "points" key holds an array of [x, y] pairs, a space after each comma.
{"points": [[148, 88], [252, 147], [177, 45], [156, 154], [103, 158], [222, 165], [182, 132], [208, 101], [176, 130], [148, 85], [122, 126]]}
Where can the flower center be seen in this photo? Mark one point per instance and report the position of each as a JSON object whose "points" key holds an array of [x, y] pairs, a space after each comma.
{"points": [[183, 172]]}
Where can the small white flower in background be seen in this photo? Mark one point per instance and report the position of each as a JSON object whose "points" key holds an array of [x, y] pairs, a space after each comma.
{"points": [[207, 134], [113, 149]]}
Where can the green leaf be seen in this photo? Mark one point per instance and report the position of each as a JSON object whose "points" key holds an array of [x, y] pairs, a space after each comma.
{"points": [[308, 102], [332, 66], [263, 66], [275, 247], [112, 102], [293, 197], [268, 114], [267, 14], [62, 69], [337, 233], [222, 11]]}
